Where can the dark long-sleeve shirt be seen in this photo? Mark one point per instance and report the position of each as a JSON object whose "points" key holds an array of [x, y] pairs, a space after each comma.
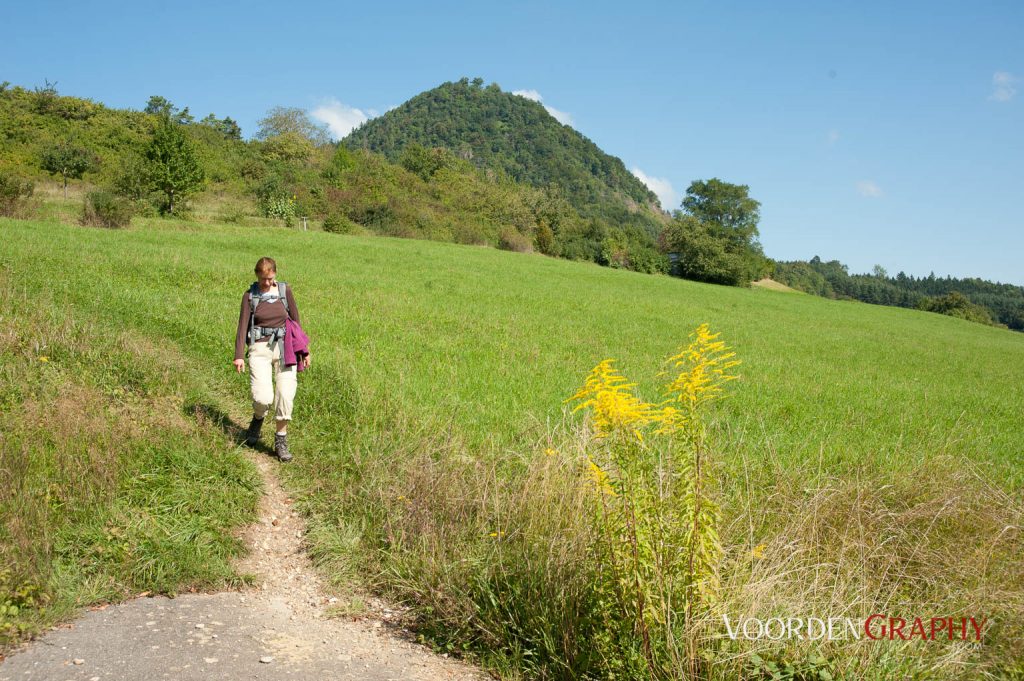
{"points": [[267, 314]]}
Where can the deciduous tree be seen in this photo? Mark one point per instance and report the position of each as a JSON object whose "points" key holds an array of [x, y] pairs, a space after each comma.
{"points": [[282, 119], [726, 208], [68, 161], [172, 165]]}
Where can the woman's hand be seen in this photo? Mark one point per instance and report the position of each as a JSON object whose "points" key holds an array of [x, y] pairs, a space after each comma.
{"points": [[239, 365], [305, 361]]}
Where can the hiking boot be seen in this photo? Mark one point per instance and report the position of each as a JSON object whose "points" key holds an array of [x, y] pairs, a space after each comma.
{"points": [[281, 447], [252, 436]]}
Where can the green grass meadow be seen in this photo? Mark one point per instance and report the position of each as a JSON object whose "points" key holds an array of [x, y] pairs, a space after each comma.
{"points": [[858, 437]]}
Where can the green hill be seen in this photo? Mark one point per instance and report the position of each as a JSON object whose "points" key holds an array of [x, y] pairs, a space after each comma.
{"points": [[435, 459], [516, 136]]}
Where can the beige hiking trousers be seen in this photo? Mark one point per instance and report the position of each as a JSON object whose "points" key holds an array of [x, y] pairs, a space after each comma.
{"points": [[265, 365]]}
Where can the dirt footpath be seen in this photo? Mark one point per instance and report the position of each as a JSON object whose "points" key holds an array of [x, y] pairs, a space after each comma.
{"points": [[276, 630]]}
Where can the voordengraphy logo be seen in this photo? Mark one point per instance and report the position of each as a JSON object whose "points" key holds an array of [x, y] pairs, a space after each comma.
{"points": [[883, 627], [877, 627], [802, 628]]}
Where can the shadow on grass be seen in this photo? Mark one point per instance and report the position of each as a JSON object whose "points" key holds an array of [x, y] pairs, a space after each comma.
{"points": [[212, 415]]}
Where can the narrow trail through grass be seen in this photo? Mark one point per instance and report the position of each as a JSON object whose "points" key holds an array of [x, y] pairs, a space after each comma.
{"points": [[285, 624]]}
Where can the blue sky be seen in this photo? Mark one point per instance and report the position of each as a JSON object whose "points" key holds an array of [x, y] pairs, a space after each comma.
{"points": [[888, 133]]}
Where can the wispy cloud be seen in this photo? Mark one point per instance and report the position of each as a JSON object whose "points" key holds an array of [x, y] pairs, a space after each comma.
{"points": [[869, 188], [666, 193], [560, 116], [529, 94], [832, 137], [341, 119], [1004, 86]]}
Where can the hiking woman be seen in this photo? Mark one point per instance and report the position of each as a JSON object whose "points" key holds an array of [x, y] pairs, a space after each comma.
{"points": [[261, 326]]}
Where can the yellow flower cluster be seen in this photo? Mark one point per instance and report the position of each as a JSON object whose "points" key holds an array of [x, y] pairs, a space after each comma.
{"points": [[611, 397], [602, 482], [704, 363], [704, 366]]}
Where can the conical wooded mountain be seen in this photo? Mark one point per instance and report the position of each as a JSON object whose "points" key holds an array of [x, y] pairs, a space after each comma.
{"points": [[512, 134]]}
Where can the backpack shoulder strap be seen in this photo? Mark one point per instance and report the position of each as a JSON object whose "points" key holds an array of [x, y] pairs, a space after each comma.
{"points": [[254, 300], [254, 296], [282, 291]]}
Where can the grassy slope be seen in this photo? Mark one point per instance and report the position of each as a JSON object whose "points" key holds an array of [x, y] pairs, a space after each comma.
{"points": [[499, 337], [484, 345]]}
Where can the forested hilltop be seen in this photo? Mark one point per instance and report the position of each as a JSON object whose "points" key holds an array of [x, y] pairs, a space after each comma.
{"points": [[509, 133], [463, 163]]}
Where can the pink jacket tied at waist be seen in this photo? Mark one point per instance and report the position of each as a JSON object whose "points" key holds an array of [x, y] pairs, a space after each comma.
{"points": [[296, 344]]}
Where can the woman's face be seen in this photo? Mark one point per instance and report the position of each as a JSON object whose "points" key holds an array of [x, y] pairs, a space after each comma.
{"points": [[266, 279]]}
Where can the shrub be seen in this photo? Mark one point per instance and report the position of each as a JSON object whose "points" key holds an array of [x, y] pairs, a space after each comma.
{"points": [[14, 195], [275, 201], [131, 181], [377, 216], [956, 304], [544, 239], [510, 239], [252, 169], [469, 233], [339, 224], [646, 259], [105, 209]]}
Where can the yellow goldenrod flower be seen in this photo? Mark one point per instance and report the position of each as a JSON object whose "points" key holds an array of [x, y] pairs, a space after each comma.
{"points": [[703, 369], [758, 551], [599, 476], [611, 397], [551, 452], [669, 420]]}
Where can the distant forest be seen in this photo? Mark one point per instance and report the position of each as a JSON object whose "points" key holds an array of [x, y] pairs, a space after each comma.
{"points": [[972, 299]]}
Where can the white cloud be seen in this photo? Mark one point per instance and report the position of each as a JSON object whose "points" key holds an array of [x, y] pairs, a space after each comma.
{"points": [[1004, 86], [529, 94], [340, 118], [869, 189], [667, 194], [833, 137], [560, 116]]}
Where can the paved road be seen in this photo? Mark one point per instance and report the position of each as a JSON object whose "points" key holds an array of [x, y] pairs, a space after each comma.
{"points": [[221, 636]]}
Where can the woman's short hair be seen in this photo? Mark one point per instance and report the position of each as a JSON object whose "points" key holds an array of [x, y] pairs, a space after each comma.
{"points": [[265, 265]]}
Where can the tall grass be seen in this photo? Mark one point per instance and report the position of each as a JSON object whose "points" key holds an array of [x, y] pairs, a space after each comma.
{"points": [[107, 487], [868, 459]]}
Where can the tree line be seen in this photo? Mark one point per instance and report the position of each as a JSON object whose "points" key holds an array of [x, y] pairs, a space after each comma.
{"points": [[971, 298], [154, 161]]}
